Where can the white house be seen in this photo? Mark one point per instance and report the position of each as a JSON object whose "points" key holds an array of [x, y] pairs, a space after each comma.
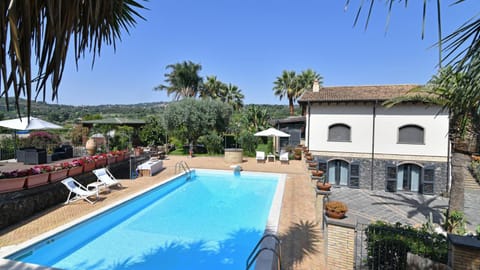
{"points": [[360, 143]]}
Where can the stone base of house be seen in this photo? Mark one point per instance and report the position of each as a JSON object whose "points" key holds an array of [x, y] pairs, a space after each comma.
{"points": [[376, 176]]}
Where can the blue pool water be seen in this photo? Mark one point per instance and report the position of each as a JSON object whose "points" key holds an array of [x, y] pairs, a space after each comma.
{"points": [[211, 221]]}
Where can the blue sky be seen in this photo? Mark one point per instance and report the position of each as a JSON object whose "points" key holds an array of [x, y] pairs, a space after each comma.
{"points": [[250, 42]]}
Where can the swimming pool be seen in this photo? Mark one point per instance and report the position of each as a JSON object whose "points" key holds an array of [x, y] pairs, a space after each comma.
{"points": [[211, 221]]}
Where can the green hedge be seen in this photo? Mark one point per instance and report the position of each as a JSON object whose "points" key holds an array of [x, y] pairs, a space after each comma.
{"points": [[388, 245]]}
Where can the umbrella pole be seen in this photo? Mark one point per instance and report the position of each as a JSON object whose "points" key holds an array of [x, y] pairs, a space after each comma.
{"points": [[15, 144]]}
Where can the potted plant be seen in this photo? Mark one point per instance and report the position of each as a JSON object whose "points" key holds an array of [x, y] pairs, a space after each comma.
{"points": [[59, 172], [317, 173], [37, 176], [298, 154], [100, 160], [12, 181], [312, 165], [323, 185], [336, 209], [88, 164], [76, 168], [111, 158]]}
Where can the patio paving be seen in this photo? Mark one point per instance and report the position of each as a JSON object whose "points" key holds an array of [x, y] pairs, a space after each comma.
{"points": [[407, 208]]}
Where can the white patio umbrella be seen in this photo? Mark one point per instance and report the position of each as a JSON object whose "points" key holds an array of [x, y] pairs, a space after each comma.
{"points": [[24, 124], [272, 132]]}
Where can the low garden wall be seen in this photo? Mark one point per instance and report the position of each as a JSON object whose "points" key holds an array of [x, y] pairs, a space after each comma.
{"points": [[20, 205], [340, 240], [233, 155], [464, 252]]}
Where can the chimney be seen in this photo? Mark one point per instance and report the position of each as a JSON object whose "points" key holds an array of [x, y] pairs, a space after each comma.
{"points": [[316, 86]]}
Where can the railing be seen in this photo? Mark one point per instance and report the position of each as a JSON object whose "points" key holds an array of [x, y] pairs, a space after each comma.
{"points": [[183, 166], [257, 251]]}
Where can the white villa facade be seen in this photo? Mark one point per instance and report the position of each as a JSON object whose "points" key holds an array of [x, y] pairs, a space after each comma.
{"points": [[360, 143]]}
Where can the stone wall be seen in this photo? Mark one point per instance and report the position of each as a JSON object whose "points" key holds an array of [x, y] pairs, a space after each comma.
{"points": [[21, 205], [379, 171]]}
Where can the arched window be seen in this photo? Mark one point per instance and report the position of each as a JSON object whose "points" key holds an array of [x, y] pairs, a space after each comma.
{"points": [[411, 134], [339, 133]]}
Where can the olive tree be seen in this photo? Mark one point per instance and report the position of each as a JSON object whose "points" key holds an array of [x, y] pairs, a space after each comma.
{"points": [[189, 118]]}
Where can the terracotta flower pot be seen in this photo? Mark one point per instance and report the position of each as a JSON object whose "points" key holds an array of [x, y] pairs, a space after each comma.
{"points": [[323, 186], [100, 163], [36, 180], [75, 171], [111, 160], [336, 215], [89, 166], [56, 176], [317, 173], [12, 184]]}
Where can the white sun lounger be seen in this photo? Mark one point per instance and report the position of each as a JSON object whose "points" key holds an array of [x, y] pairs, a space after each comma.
{"points": [[78, 191], [106, 177], [284, 157], [260, 156]]}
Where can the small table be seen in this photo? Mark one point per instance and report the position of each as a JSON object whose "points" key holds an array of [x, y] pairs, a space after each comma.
{"points": [[271, 157], [97, 186]]}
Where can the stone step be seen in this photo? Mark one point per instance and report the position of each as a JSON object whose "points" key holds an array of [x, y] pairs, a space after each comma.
{"points": [[470, 182]]}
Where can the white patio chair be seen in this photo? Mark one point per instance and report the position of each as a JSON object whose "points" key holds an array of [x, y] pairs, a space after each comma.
{"points": [[284, 157], [78, 191], [260, 156], [106, 177]]}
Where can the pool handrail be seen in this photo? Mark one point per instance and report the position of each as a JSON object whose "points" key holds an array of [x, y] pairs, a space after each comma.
{"points": [[256, 251], [182, 165]]}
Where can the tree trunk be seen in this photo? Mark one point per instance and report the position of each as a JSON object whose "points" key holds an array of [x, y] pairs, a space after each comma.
{"points": [[459, 165], [290, 105]]}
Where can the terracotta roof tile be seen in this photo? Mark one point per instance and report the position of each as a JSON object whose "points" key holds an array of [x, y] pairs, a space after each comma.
{"points": [[356, 93]]}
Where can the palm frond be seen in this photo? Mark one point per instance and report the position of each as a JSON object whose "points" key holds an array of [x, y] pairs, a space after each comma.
{"points": [[40, 32]]}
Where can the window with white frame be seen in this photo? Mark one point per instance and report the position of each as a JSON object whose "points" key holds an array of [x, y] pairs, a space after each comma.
{"points": [[339, 133], [411, 134]]}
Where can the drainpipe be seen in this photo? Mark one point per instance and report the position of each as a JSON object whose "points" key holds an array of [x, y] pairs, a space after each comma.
{"points": [[374, 114], [449, 149], [308, 134]]}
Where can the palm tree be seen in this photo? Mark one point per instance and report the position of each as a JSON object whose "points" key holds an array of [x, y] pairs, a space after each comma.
{"points": [[306, 80], [287, 85], [293, 86], [448, 91], [211, 88], [255, 118], [41, 31], [232, 95], [183, 80]]}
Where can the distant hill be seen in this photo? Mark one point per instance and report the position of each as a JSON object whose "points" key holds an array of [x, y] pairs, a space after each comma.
{"points": [[68, 114]]}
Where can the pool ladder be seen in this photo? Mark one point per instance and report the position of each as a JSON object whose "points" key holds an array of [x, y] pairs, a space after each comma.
{"points": [[257, 251], [183, 166]]}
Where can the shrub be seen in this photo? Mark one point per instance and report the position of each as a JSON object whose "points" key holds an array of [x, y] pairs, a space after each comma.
{"points": [[248, 142], [455, 222], [388, 244], [213, 142]]}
